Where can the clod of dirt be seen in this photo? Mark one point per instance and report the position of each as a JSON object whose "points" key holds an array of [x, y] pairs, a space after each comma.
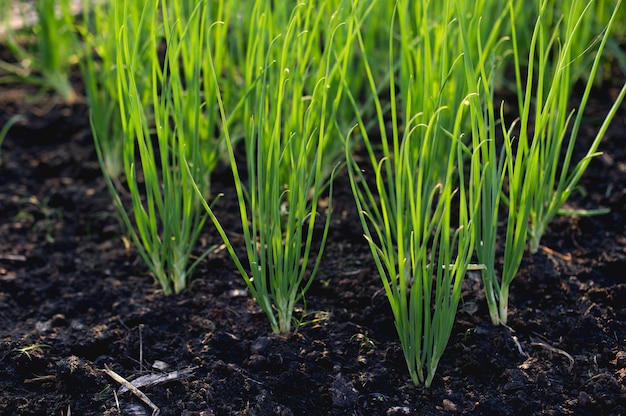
{"points": [[343, 393], [78, 375], [260, 345]]}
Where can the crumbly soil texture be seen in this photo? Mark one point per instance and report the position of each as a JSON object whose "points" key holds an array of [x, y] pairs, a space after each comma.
{"points": [[78, 306]]}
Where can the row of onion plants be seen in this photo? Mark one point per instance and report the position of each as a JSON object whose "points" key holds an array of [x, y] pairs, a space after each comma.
{"points": [[174, 86]]}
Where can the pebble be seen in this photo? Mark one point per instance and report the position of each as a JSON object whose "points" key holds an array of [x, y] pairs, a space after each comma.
{"points": [[260, 345], [134, 410], [449, 406], [398, 411], [160, 365]]}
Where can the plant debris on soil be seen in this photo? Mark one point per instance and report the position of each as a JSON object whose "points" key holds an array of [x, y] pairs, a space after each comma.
{"points": [[77, 305]]}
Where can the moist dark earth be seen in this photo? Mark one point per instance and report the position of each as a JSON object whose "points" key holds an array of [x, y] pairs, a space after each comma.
{"points": [[75, 300]]}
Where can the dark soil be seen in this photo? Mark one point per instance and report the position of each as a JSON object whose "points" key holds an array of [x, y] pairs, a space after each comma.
{"points": [[75, 300]]}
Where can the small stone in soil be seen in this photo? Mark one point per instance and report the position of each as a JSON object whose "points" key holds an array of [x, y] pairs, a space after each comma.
{"points": [[449, 406], [260, 345], [398, 411]]}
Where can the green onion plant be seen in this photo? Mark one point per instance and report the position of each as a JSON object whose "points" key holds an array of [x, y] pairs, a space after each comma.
{"points": [[98, 38], [44, 52], [421, 245], [293, 73], [166, 108], [496, 174], [550, 173], [98, 41], [528, 175]]}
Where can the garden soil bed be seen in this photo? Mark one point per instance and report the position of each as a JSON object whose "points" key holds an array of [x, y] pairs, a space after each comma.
{"points": [[75, 300]]}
